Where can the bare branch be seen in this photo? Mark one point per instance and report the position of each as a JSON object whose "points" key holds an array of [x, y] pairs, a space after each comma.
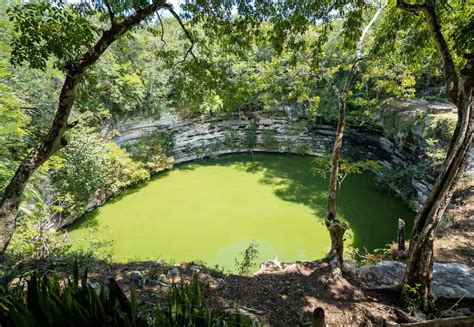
{"points": [[350, 76], [186, 32], [330, 81], [71, 125], [381, 6], [359, 56], [162, 36]]}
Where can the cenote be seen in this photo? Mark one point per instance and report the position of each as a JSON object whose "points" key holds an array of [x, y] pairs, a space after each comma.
{"points": [[211, 210]]}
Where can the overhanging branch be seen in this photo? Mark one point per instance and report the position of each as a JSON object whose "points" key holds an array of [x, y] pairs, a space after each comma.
{"points": [[162, 34], [186, 32]]}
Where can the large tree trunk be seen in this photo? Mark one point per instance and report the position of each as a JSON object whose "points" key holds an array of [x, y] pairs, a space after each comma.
{"points": [[459, 89], [335, 226], [420, 261], [55, 138]]}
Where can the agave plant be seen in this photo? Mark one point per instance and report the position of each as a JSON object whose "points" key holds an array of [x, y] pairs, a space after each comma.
{"points": [[45, 301]]}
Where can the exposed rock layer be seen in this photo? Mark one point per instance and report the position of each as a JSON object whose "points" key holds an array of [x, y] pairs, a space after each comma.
{"points": [[211, 136], [450, 280]]}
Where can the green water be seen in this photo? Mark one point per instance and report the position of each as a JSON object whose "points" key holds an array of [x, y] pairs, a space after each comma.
{"points": [[212, 210]]}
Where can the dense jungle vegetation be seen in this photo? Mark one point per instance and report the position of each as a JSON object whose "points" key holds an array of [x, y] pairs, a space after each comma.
{"points": [[62, 90]]}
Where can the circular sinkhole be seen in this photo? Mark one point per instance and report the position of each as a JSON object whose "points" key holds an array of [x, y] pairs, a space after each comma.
{"points": [[211, 211]]}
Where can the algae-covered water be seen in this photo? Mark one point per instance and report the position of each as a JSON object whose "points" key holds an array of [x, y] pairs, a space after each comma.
{"points": [[211, 211]]}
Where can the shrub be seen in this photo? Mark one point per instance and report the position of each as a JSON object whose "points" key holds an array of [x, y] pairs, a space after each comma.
{"points": [[249, 256], [441, 129], [269, 139], [250, 139], [232, 139], [186, 308], [155, 150], [302, 148], [401, 177], [366, 257], [36, 235], [124, 171], [47, 302], [287, 144], [84, 169]]}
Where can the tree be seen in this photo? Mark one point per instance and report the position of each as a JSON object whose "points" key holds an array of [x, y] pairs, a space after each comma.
{"points": [[55, 29], [335, 226], [459, 90], [303, 35]]}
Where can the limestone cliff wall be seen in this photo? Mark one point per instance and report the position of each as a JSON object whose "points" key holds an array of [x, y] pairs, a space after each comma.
{"points": [[212, 136], [397, 139]]}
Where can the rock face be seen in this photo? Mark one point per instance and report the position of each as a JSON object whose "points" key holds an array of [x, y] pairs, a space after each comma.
{"points": [[450, 280], [396, 140], [453, 280], [212, 136], [386, 275]]}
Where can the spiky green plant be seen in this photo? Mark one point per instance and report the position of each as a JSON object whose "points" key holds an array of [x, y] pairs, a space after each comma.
{"points": [[46, 301], [186, 309]]}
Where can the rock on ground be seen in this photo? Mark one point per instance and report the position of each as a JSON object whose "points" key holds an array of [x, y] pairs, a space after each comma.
{"points": [[450, 280]]}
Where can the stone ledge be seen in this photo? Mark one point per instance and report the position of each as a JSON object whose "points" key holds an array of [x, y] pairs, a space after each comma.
{"points": [[450, 280]]}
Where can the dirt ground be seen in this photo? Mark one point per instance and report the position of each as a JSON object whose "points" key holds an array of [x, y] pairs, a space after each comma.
{"points": [[455, 241], [281, 295]]}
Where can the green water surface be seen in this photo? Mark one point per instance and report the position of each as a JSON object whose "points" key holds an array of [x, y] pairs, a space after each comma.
{"points": [[212, 210]]}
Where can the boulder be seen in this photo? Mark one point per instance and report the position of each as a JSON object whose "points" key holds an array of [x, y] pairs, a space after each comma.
{"points": [[453, 281], [173, 271], [137, 277], [385, 275], [450, 280], [349, 266]]}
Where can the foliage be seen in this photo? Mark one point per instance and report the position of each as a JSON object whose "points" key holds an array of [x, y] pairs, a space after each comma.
{"points": [[400, 178], [302, 148], [364, 257], [88, 164], [35, 234], [414, 298], [249, 256], [406, 36], [439, 132], [13, 118], [47, 301], [84, 170], [124, 171], [250, 138], [322, 166], [154, 150], [42, 29], [132, 77], [186, 308], [436, 153], [232, 139], [269, 140]]}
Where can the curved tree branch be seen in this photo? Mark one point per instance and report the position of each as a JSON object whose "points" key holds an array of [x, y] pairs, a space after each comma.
{"points": [[451, 76], [186, 32]]}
